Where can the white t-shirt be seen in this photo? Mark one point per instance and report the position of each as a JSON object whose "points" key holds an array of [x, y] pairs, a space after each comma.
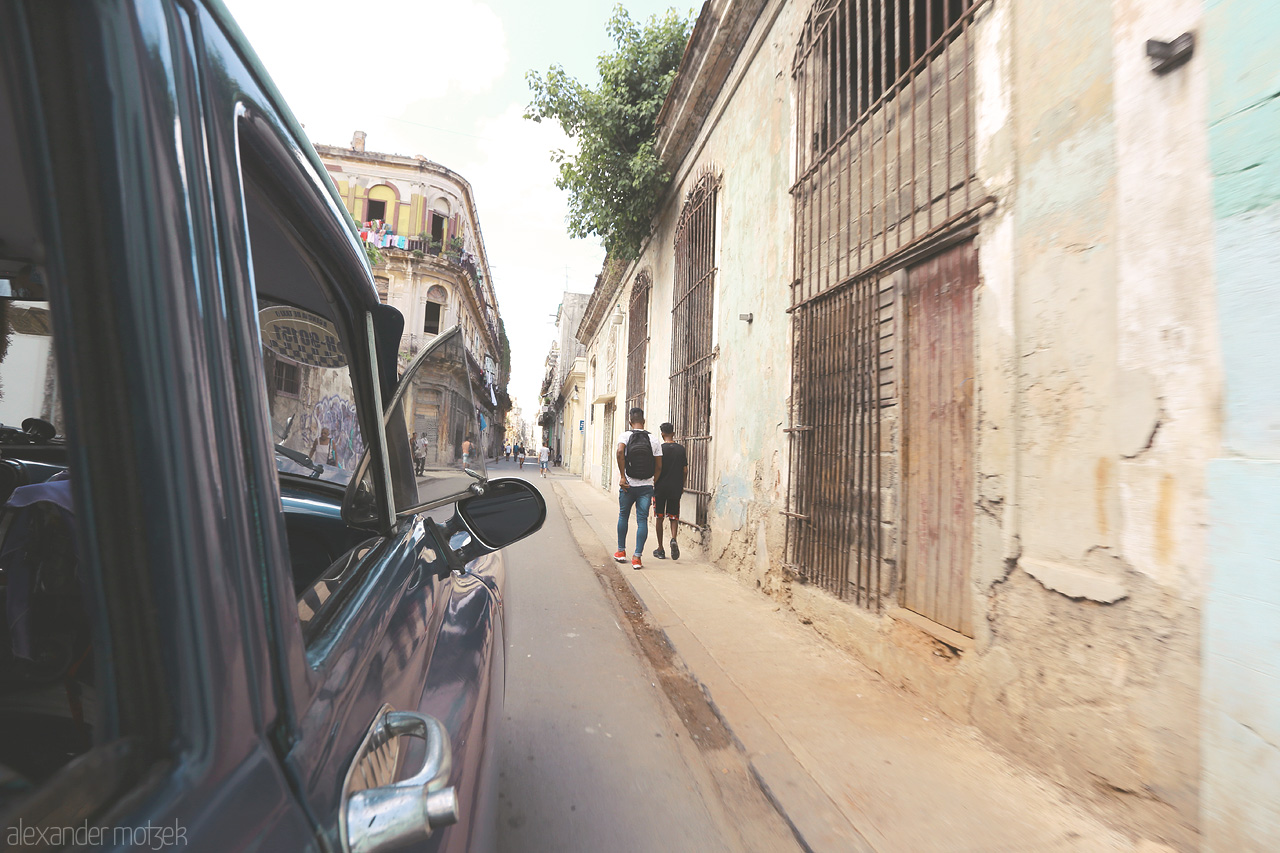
{"points": [[544, 455], [654, 441]]}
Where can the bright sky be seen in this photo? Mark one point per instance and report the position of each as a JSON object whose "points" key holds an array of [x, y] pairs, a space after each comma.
{"points": [[446, 79]]}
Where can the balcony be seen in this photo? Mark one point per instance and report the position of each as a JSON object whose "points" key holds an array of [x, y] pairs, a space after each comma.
{"points": [[462, 260], [413, 343]]}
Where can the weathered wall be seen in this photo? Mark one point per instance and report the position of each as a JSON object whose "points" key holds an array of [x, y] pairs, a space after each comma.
{"points": [[1097, 390], [748, 143], [1090, 661], [1097, 385], [1241, 701], [606, 371]]}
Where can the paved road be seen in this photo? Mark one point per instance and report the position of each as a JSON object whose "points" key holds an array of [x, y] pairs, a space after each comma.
{"points": [[593, 756]]}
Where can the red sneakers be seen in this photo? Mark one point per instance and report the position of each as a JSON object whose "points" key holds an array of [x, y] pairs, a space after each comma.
{"points": [[619, 556], [635, 562]]}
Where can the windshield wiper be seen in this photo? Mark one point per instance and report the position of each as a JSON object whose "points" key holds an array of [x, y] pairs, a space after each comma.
{"points": [[302, 459]]}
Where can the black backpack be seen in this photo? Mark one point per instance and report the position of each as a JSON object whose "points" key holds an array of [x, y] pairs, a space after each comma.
{"points": [[639, 456]]}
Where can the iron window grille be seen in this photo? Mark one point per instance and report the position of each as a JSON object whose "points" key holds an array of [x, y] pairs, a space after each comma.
{"points": [[638, 340], [287, 378], [608, 452], [840, 389], [885, 122], [692, 339]]}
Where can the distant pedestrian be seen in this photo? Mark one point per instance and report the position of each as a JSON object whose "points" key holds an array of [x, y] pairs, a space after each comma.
{"points": [[669, 488], [423, 444], [467, 449], [544, 459], [322, 449], [520, 456], [639, 456], [506, 451], [419, 453]]}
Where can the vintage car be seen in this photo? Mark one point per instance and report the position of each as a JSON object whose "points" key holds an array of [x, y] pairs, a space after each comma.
{"points": [[234, 615]]}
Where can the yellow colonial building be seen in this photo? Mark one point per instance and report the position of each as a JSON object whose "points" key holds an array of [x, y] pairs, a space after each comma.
{"points": [[421, 218]]}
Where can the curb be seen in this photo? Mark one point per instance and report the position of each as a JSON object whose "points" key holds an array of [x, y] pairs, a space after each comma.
{"points": [[815, 821]]}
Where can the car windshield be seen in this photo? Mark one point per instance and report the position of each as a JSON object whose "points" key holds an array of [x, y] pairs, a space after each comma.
{"points": [[309, 394], [28, 378]]}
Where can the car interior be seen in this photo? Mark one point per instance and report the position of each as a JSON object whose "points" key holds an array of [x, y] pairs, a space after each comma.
{"points": [[47, 679], [47, 703]]}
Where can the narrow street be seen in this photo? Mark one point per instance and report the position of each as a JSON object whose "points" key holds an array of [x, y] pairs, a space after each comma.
{"points": [[593, 755]]}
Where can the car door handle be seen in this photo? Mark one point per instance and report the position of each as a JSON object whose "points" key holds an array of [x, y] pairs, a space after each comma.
{"points": [[389, 816]]}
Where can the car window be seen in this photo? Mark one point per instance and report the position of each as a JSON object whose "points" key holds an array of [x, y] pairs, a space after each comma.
{"points": [[311, 397], [436, 407], [54, 687], [309, 394], [49, 684], [306, 362]]}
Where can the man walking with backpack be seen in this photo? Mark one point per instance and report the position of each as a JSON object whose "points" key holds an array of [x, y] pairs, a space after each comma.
{"points": [[639, 462], [669, 488]]}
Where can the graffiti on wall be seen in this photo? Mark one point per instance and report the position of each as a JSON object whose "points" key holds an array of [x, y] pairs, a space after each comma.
{"points": [[337, 414]]}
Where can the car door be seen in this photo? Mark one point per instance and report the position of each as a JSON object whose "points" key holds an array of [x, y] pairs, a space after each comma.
{"points": [[356, 594], [173, 686], [465, 681]]}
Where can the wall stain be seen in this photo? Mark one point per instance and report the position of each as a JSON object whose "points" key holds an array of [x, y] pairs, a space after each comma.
{"points": [[1102, 487], [1164, 520]]}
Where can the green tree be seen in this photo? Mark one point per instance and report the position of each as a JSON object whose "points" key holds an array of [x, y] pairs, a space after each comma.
{"points": [[371, 252], [615, 180]]}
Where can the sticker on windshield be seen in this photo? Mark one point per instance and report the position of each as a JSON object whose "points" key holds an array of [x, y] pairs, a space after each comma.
{"points": [[301, 336]]}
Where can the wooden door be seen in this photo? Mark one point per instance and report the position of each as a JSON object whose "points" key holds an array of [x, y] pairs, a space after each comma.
{"points": [[939, 438]]}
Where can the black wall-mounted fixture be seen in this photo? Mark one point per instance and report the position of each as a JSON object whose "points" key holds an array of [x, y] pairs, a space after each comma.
{"points": [[1169, 55]]}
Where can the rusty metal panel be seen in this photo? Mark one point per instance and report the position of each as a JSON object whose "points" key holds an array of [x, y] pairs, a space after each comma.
{"points": [[692, 349], [638, 340], [834, 524], [938, 438]]}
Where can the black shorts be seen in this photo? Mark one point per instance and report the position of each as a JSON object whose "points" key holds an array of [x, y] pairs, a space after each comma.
{"points": [[667, 502]]}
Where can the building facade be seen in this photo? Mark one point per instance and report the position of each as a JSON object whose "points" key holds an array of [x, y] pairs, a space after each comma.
{"points": [[564, 386], [421, 219], [934, 303]]}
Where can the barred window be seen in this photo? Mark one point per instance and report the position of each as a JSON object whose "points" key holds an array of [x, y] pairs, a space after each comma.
{"points": [[692, 347], [286, 376], [868, 47], [638, 340], [884, 115]]}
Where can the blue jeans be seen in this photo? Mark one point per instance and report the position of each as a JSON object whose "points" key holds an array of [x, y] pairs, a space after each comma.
{"points": [[641, 497]]}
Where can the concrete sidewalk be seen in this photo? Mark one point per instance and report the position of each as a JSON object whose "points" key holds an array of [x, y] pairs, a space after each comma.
{"points": [[851, 762]]}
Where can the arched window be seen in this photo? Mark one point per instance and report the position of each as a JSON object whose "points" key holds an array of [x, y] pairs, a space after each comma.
{"points": [[438, 219], [381, 204], [433, 309]]}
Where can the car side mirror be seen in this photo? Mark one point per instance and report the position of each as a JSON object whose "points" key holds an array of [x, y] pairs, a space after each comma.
{"points": [[506, 511]]}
